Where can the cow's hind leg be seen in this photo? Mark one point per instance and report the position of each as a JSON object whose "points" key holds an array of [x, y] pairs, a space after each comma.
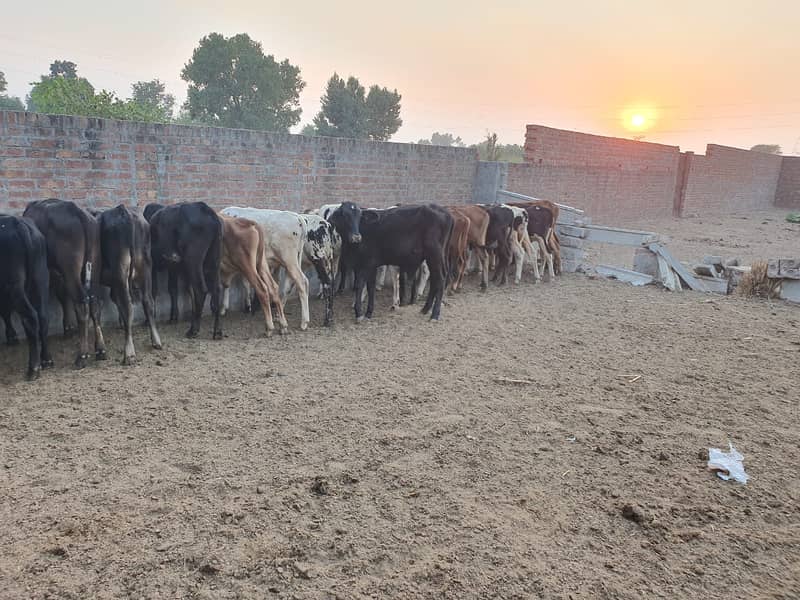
{"points": [[148, 305], [30, 323], [11, 334], [301, 282]]}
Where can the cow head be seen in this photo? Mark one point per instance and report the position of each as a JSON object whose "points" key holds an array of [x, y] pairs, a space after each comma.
{"points": [[346, 220]]}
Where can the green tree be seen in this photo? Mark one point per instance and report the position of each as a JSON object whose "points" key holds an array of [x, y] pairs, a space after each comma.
{"points": [[348, 111], [443, 139], [152, 94], [767, 148], [344, 109], [383, 113], [61, 95], [308, 129], [8, 102], [3, 83], [232, 83], [63, 68], [490, 149]]}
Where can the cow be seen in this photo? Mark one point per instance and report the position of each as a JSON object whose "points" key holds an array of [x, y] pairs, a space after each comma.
{"points": [[456, 255], [403, 236], [521, 244], [188, 236], [73, 259], [284, 241], [243, 254], [24, 287], [127, 269], [498, 238], [542, 217], [476, 240], [161, 264]]}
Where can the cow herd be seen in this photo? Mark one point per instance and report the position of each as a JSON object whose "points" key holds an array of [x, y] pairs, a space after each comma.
{"points": [[60, 248]]}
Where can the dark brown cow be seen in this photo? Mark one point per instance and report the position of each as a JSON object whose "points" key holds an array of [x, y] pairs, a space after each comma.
{"points": [[542, 219], [243, 254], [73, 258], [498, 238], [127, 270]]}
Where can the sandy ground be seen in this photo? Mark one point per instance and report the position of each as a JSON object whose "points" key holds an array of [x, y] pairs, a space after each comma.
{"points": [[488, 455], [749, 236]]}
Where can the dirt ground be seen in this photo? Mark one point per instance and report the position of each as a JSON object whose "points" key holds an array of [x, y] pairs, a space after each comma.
{"points": [[490, 455]]}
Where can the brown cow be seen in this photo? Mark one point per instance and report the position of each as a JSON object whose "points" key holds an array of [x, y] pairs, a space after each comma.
{"points": [[456, 256], [243, 254], [476, 238]]}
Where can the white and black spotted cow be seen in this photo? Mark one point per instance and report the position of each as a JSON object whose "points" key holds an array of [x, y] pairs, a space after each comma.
{"points": [[320, 251]]}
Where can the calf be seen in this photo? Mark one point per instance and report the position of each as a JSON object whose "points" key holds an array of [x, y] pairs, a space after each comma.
{"points": [[72, 236], [24, 287], [403, 236], [127, 269], [542, 219], [476, 240], [284, 240], [189, 236]]}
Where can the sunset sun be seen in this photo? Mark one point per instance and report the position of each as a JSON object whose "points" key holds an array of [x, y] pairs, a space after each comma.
{"points": [[638, 120]]}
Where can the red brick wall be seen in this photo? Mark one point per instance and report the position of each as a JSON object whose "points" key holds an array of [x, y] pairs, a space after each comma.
{"points": [[729, 179], [100, 162], [788, 193], [609, 177]]}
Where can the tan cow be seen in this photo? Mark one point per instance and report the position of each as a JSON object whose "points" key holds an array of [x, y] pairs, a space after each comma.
{"points": [[476, 239], [243, 254]]}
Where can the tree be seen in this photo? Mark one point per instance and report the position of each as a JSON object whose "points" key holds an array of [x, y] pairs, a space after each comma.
{"points": [[490, 149], [348, 111], [767, 148], [344, 110], [62, 95], [232, 83], [152, 94], [308, 129], [443, 139], [383, 113], [63, 68], [8, 102], [3, 83]]}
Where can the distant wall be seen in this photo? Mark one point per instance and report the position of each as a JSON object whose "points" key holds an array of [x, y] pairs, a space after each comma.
{"points": [[101, 162], [615, 179], [729, 179], [608, 177], [788, 193]]}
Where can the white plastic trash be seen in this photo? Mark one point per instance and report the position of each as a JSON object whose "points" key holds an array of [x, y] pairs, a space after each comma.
{"points": [[728, 465]]}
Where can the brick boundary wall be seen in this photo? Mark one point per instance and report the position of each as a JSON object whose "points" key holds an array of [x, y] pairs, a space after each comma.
{"points": [[101, 162], [730, 179], [614, 178], [788, 193]]}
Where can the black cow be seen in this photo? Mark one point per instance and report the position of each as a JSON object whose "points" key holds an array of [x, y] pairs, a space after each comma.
{"points": [[402, 236], [24, 287], [161, 264], [73, 258], [127, 270], [189, 237], [498, 238]]}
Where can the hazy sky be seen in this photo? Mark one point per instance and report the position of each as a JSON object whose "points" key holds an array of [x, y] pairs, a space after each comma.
{"points": [[723, 71]]}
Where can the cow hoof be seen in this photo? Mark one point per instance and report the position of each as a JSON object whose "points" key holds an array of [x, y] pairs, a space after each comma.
{"points": [[268, 333], [217, 335], [158, 347], [100, 355], [12, 342], [128, 361], [33, 374], [80, 362], [70, 331], [192, 333], [46, 364], [360, 319], [394, 307]]}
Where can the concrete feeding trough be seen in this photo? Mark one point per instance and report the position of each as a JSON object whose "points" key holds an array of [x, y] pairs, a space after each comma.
{"points": [[787, 270]]}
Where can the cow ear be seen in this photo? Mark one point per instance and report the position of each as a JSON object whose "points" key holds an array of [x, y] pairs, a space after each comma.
{"points": [[370, 217]]}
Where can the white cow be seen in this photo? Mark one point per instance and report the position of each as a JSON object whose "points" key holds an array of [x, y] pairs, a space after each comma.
{"points": [[284, 240]]}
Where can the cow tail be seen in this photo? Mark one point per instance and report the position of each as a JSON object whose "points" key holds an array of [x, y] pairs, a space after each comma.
{"points": [[88, 267], [27, 243]]}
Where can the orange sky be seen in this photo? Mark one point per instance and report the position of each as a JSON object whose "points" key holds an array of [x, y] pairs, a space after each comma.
{"points": [[722, 71]]}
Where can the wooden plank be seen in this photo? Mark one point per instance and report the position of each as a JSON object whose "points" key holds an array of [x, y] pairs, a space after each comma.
{"points": [[790, 290], [625, 275], [570, 230], [783, 268], [689, 279], [619, 237]]}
